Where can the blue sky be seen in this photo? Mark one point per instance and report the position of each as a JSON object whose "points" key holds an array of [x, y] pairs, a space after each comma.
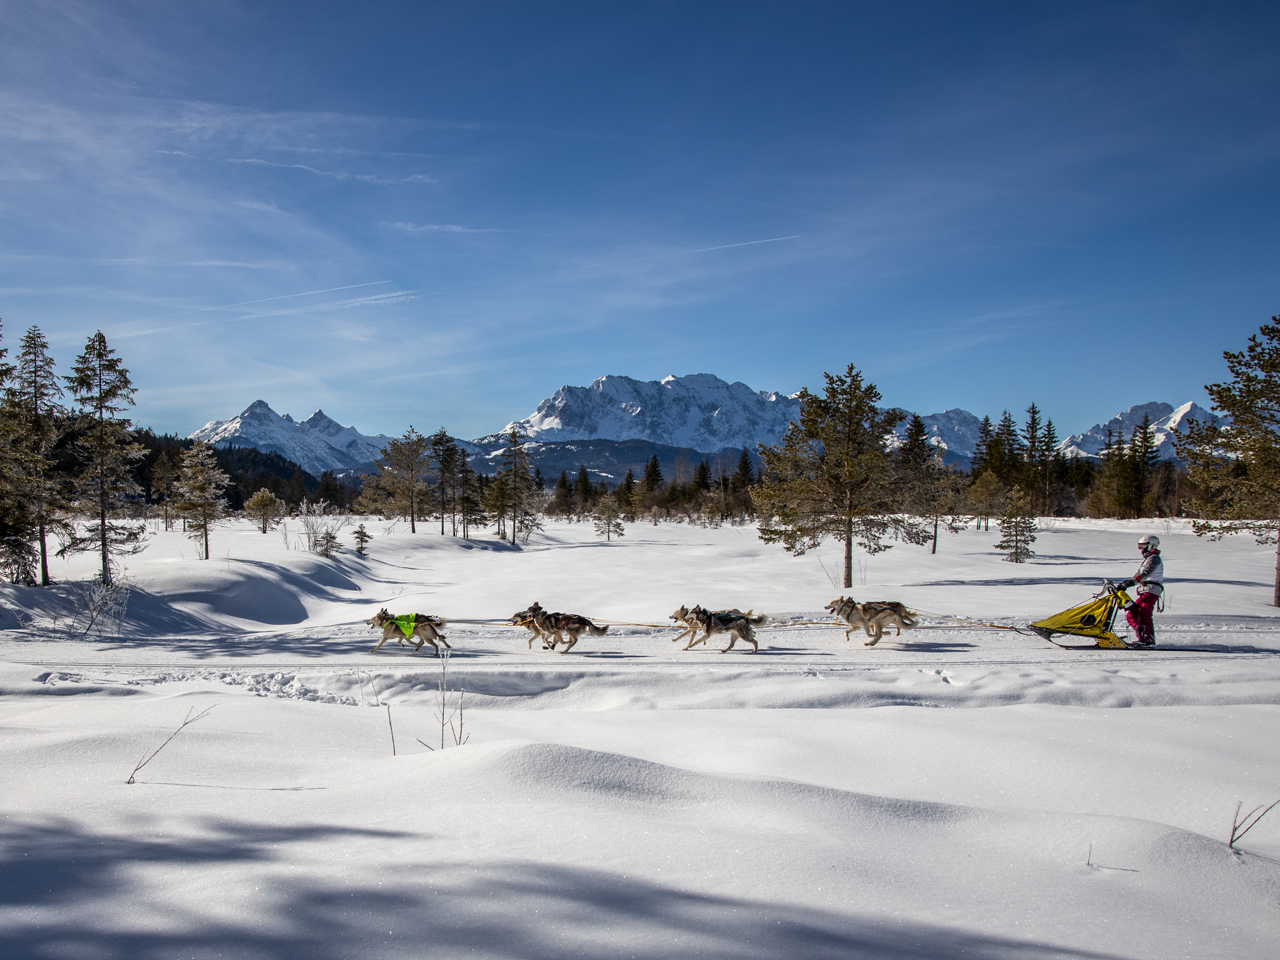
{"points": [[436, 213]]}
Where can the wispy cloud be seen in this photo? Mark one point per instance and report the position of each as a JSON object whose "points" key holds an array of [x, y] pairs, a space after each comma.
{"points": [[407, 227]]}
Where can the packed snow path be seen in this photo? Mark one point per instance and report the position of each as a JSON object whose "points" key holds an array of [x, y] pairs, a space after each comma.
{"points": [[632, 799]]}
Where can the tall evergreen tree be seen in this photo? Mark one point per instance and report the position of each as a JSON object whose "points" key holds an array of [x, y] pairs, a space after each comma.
{"points": [[831, 476], [102, 389], [982, 451], [199, 492], [164, 475], [444, 459], [521, 489], [34, 394], [1236, 465], [403, 469], [17, 520]]}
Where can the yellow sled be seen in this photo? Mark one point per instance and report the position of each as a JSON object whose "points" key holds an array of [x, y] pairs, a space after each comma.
{"points": [[1092, 619]]}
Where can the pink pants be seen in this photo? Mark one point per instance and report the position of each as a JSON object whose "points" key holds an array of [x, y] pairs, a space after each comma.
{"points": [[1139, 615]]}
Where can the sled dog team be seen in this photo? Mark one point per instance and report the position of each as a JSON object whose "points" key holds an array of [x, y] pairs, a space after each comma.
{"points": [[551, 628]]}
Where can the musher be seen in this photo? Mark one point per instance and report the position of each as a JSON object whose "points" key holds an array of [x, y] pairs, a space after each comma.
{"points": [[1150, 583]]}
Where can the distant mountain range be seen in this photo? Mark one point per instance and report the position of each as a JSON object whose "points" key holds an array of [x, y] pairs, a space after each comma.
{"points": [[618, 423]]}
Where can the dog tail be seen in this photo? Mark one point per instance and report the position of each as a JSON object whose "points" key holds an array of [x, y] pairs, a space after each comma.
{"points": [[596, 631], [758, 620]]}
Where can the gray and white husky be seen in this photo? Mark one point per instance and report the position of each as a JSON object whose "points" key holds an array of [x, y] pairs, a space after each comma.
{"points": [[733, 622], [872, 616]]}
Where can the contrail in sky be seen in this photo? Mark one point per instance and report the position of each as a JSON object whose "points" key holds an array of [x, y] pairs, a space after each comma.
{"points": [[245, 303]]}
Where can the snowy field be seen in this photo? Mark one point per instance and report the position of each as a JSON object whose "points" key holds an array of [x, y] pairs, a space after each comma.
{"points": [[955, 792]]}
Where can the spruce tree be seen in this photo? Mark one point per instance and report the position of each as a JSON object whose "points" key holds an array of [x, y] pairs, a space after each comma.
{"points": [[362, 537], [199, 492], [831, 476], [982, 451], [102, 389], [1017, 527]]}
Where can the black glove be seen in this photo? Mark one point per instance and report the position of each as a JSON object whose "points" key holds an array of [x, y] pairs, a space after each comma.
{"points": [[1125, 584]]}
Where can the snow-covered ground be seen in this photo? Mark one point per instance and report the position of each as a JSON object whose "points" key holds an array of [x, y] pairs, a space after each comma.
{"points": [[953, 792]]}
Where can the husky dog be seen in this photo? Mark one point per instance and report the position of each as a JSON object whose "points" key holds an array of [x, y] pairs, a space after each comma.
{"points": [[528, 618], [554, 626], [424, 628], [873, 617], [733, 622]]}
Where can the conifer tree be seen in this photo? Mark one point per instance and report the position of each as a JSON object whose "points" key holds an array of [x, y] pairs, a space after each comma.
{"points": [[17, 521], [362, 537], [164, 476], [402, 470], [1017, 528], [470, 509], [1236, 465], [34, 395], [985, 498], [520, 489], [607, 517], [625, 495], [982, 451], [102, 389], [444, 458], [831, 476], [582, 490], [199, 492], [264, 508]]}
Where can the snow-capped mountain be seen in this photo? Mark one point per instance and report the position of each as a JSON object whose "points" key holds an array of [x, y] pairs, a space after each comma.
{"points": [[954, 432], [1166, 420], [317, 443], [700, 411]]}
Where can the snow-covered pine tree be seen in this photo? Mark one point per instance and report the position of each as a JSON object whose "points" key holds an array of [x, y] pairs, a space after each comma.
{"points": [[1017, 527], [102, 389], [199, 492], [265, 509]]}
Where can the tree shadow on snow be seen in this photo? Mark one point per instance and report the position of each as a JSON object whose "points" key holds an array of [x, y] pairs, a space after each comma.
{"points": [[66, 885]]}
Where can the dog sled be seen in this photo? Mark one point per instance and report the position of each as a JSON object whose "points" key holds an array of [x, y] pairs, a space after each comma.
{"points": [[1095, 619]]}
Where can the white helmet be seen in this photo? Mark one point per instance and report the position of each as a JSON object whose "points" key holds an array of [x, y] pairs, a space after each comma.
{"points": [[1150, 542]]}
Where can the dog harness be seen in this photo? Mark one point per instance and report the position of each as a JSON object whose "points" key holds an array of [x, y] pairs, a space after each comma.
{"points": [[406, 623]]}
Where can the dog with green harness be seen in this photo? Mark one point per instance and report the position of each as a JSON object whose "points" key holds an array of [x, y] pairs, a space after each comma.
{"points": [[409, 626]]}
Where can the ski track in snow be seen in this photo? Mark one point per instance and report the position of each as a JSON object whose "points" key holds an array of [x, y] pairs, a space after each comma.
{"points": [[951, 792]]}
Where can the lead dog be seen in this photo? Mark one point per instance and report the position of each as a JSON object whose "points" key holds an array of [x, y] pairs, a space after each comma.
{"points": [[733, 622], [873, 617], [424, 628]]}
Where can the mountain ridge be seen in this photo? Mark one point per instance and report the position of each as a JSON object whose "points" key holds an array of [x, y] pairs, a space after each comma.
{"points": [[698, 416]]}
